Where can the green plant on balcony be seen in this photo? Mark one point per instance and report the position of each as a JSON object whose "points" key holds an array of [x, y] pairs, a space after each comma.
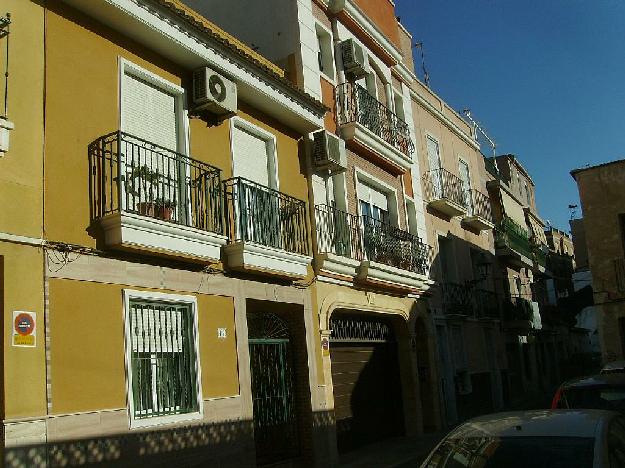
{"points": [[509, 234], [142, 183]]}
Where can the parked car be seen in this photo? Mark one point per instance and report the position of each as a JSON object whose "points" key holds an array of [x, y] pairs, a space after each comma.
{"points": [[536, 439], [605, 392], [615, 367]]}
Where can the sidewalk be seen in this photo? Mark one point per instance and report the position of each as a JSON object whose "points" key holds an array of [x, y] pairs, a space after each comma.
{"points": [[392, 453]]}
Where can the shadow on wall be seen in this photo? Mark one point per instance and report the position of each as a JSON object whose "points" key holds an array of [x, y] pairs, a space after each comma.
{"points": [[223, 444]]}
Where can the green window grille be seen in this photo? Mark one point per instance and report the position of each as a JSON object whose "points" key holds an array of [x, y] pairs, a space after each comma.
{"points": [[163, 359]]}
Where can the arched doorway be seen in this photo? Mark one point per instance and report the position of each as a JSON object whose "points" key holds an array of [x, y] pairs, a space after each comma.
{"points": [[272, 381], [366, 379]]}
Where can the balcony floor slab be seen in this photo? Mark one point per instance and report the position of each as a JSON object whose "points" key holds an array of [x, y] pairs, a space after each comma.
{"points": [[447, 207], [130, 231], [330, 264], [388, 276], [477, 222], [252, 257]]}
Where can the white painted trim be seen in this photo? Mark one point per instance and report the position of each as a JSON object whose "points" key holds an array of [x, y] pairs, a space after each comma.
{"points": [[392, 275], [129, 294], [17, 239], [444, 119], [404, 72], [268, 137], [336, 264]]}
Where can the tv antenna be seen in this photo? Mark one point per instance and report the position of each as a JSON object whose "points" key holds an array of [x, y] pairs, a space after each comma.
{"points": [[426, 75], [478, 128], [573, 209]]}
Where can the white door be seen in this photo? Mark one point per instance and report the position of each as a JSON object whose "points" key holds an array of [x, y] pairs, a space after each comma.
{"points": [[463, 169], [150, 167], [434, 160]]}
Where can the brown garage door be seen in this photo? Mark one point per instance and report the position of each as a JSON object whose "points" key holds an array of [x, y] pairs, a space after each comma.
{"points": [[365, 375]]}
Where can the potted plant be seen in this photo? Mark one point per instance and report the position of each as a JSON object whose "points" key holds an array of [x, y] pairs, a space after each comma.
{"points": [[164, 209], [141, 183]]}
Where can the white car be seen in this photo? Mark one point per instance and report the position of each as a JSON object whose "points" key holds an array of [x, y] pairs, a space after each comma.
{"points": [[535, 439]]}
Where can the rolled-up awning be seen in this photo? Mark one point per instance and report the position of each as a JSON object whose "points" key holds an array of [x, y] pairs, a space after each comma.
{"points": [[537, 233], [513, 209]]}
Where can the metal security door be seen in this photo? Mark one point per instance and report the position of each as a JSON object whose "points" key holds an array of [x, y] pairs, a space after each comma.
{"points": [[275, 419]]}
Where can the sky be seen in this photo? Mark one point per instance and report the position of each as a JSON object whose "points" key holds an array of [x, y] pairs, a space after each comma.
{"points": [[545, 78]]}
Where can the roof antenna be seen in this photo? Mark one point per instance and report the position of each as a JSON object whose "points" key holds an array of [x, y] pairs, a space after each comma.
{"points": [[573, 209], [479, 128], [426, 75]]}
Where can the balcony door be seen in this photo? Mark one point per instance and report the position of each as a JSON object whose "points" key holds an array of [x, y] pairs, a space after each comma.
{"points": [[151, 168], [374, 209], [463, 169], [258, 204], [434, 160]]}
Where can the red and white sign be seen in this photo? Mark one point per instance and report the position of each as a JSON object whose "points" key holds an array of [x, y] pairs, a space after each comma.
{"points": [[24, 328]]}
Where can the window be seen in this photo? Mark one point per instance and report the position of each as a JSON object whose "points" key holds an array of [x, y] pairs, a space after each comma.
{"points": [[324, 51], [162, 358], [527, 194]]}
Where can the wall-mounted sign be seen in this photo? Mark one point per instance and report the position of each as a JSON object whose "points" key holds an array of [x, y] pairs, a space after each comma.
{"points": [[522, 339], [221, 333], [24, 330], [325, 346]]}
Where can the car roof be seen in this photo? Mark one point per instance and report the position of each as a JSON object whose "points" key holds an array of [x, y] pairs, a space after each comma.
{"points": [[552, 423], [614, 365], [596, 380]]}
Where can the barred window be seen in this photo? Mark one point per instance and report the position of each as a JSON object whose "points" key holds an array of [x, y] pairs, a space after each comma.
{"points": [[163, 370]]}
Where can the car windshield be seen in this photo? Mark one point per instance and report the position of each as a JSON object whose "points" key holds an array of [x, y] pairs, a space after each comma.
{"points": [[513, 452], [609, 398]]}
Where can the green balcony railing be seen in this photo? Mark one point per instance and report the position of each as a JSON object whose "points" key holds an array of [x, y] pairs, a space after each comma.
{"points": [[510, 234]]}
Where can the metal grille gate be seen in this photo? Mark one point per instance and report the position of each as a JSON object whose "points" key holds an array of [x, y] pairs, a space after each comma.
{"points": [[275, 419]]}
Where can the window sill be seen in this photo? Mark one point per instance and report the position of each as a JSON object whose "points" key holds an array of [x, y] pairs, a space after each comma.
{"points": [[5, 128], [165, 420]]}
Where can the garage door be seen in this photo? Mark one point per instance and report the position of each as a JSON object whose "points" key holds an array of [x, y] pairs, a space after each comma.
{"points": [[365, 375]]}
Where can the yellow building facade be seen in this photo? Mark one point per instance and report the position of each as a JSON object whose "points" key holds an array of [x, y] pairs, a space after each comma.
{"points": [[161, 247]]}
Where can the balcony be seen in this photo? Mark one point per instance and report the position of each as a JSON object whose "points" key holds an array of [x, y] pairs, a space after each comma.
{"points": [[339, 242], [370, 251], [512, 242], [521, 313], [456, 299], [267, 230], [369, 124], [491, 167], [486, 304], [479, 215], [146, 197], [445, 192]]}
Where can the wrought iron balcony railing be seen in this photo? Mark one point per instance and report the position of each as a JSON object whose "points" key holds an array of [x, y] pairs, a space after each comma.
{"points": [[338, 232], [517, 308], [510, 234], [392, 246], [355, 104], [456, 299], [442, 184], [255, 213], [478, 204], [486, 304], [129, 174]]}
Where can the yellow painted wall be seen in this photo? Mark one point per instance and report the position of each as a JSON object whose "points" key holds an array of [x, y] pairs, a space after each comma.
{"points": [[21, 166], [82, 57], [87, 341], [24, 368]]}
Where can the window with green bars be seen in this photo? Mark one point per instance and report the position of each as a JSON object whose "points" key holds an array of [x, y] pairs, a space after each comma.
{"points": [[162, 359]]}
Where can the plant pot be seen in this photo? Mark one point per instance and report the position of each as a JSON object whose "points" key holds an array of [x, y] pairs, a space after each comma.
{"points": [[166, 213], [147, 209]]}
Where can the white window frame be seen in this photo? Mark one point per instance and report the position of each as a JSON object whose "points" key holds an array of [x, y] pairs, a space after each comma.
{"points": [[391, 192], [328, 52], [410, 207], [272, 147], [433, 137], [128, 295]]}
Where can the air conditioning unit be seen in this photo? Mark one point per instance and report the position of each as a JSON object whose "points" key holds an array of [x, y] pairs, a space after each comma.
{"points": [[328, 152], [354, 59], [213, 92]]}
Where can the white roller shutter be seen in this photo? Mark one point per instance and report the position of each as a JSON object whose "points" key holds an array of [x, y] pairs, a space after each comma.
{"points": [[148, 112], [373, 196], [249, 156]]}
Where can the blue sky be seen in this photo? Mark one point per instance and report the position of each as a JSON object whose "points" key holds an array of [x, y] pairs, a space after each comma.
{"points": [[546, 78]]}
